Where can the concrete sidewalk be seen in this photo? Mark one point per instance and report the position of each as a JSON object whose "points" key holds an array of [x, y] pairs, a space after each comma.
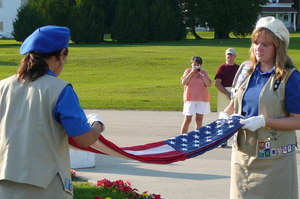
{"points": [[203, 177]]}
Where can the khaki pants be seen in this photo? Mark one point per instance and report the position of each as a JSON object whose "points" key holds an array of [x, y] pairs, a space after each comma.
{"points": [[223, 100], [13, 190]]}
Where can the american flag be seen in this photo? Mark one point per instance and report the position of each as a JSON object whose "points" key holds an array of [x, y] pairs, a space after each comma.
{"points": [[175, 149]]}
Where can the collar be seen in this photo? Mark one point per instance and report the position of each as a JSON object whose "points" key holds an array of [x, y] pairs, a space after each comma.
{"points": [[50, 72], [257, 69], [230, 64]]}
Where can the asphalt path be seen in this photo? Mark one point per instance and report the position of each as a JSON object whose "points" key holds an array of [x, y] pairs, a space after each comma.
{"points": [[204, 177]]}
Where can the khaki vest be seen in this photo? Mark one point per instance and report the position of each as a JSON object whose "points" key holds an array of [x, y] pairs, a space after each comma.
{"points": [[239, 77], [33, 145], [272, 105]]}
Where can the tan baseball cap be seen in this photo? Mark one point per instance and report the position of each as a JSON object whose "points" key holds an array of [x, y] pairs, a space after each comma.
{"points": [[230, 51]]}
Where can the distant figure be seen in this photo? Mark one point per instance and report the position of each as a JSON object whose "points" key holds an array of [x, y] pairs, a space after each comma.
{"points": [[224, 77], [196, 96]]}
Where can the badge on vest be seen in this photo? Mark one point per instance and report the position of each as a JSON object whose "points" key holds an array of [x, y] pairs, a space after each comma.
{"points": [[265, 150], [68, 185]]}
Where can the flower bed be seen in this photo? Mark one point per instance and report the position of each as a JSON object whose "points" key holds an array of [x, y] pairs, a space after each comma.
{"points": [[107, 189], [120, 189]]}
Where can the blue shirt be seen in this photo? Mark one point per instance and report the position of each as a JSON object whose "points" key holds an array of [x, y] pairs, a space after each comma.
{"points": [[69, 113], [258, 80]]}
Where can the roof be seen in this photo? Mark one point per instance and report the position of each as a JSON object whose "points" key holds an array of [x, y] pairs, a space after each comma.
{"points": [[286, 1], [279, 9]]}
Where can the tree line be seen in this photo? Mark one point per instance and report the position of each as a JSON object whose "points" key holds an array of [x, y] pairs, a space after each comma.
{"points": [[133, 21]]}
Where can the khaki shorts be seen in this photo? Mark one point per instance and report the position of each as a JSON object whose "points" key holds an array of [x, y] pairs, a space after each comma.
{"points": [[55, 190], [223, 100]]}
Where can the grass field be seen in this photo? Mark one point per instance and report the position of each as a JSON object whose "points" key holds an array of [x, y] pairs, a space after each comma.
{"points": [[142, 76]]}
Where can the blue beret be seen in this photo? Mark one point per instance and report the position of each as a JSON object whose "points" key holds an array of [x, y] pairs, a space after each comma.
{"points": [[46, 39]]}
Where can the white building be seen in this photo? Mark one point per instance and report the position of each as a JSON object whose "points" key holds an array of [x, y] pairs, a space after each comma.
{"points": [[282, 10], [8, 12]]}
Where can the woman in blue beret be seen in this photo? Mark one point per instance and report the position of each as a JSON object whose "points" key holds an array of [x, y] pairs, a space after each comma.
{"points": [[263, 163], [38, 112]]}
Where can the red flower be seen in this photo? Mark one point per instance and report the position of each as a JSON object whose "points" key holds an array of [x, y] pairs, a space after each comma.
{"points": [[137, 195], [124, 188], [156, 196], [98, 197], [119, 182], [104, 183]]}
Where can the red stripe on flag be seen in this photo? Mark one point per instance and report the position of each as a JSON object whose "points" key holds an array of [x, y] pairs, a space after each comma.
{"points": [[144, 147]]}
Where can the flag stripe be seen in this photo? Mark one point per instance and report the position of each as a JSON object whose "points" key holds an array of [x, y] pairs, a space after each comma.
{"points": [[145, 146]]}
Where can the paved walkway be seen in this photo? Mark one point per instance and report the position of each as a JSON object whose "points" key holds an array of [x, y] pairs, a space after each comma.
{"points": [[203, 177]]}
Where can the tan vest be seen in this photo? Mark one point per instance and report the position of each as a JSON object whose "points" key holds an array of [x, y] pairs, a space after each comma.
{"points": [[33, 145], [272, 105], [239, 77]]}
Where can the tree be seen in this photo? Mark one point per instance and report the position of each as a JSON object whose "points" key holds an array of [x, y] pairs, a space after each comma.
{"points": [[166, 22], [148, 20], [58, 11], [109, 7], [190, 10], [131, 21], [37, 13], [28, 19], [237, 16], [88, 24]]}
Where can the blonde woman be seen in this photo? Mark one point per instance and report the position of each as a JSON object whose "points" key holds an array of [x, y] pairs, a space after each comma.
{"points": [[263, 164]]}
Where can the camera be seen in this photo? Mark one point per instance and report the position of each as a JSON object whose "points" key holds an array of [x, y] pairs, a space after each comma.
{"points": [[198, 68]]}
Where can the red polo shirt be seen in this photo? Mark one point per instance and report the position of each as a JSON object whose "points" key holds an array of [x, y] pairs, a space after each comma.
{"points": [[226, 73]]}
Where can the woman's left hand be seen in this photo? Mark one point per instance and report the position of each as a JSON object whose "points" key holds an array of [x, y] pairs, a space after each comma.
{"points": [[254, 123]]}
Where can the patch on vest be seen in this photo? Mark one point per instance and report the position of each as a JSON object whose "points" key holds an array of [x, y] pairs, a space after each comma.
{"points": [[68, 185], [265, 150]]}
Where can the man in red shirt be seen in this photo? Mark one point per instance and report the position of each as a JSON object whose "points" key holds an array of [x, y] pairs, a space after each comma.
{"points": [[224, 77]]}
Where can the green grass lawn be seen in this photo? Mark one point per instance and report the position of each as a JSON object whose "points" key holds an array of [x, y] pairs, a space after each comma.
{"points": [[142, 76]]}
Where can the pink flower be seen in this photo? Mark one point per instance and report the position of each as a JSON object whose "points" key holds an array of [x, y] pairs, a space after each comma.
{"points": [[128, 183]]}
